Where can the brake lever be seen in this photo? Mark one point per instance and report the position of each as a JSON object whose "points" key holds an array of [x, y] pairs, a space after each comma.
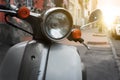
{"points": [[86, 45], [82, 42]]}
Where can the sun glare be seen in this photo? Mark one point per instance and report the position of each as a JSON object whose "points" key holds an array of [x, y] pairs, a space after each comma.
{"points": [[109, 14]]}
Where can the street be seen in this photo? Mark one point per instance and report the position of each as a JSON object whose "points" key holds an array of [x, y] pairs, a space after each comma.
{"points": [[116, 50], [100, 61]]}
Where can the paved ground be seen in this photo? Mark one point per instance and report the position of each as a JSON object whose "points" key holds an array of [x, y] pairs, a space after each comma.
{"points": [[99, 60], [116, 50], [100, 64]]}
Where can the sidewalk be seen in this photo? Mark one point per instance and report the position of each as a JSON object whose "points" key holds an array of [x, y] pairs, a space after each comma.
{"points": [[91, 38], [95, 39]]}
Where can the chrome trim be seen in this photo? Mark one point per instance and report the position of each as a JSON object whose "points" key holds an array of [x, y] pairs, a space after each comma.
{"points": [[8, 11]]}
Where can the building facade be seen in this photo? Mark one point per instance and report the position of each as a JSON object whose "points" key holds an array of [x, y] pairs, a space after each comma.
{"points": [[88, 7], [2, 14], [92, 5], [75, 9]]}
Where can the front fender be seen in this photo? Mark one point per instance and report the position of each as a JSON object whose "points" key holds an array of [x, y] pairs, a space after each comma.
{"points": [[57, 62], [10, 66], [24, 61], [64, 63]]}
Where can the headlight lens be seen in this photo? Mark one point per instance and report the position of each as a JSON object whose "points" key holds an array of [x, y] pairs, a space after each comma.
{"points": [[58, 25]]}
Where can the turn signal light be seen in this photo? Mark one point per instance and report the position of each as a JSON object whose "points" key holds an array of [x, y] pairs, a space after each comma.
{"points": [[76, 34], [23, 12]]}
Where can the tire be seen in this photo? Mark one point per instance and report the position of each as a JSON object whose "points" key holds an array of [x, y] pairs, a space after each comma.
{"points": [[84, 73]]}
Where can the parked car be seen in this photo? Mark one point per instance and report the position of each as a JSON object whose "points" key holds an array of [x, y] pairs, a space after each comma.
{"points": [[115, 29]]}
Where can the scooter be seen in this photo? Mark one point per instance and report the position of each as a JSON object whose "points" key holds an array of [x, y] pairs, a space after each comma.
{"points": [[43, 58]]}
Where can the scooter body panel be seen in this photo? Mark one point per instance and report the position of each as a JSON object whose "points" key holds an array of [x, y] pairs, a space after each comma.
{"points": [[57, 62], [64, 63], [24, 61], [10, 66]]}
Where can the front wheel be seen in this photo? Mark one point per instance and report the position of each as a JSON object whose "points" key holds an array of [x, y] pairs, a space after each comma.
{"points": [[84, 72]]}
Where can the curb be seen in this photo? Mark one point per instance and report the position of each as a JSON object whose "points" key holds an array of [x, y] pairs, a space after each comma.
{"points": [[97, 43], [117, 59], [99, 35]]}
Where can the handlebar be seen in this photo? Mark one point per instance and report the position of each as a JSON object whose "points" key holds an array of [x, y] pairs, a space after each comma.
{"points": [[4, 7], [21, 13], [14, 11]]}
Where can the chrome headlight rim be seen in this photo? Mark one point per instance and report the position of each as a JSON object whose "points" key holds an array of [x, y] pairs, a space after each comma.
{"points": [[51, 11]]}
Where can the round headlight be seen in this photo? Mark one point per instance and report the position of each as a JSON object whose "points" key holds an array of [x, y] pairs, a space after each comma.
{"points": [[57, 24]]}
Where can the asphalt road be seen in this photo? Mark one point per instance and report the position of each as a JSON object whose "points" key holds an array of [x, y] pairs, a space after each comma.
{"points": [[100, 64], [116, 50], [99, 60]]}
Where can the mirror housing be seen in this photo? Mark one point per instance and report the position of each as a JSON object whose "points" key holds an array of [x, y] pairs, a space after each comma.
{"points": [[95, 15]]}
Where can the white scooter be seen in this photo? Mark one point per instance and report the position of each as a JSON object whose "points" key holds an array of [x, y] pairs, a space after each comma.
{"points": [[43, 58]]}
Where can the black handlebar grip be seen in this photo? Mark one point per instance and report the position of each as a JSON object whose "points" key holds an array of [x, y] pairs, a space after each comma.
{"points": [[4, 7]]}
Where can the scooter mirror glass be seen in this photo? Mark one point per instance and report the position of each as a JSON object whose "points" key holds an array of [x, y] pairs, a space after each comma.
{"points": [[95, 15]]}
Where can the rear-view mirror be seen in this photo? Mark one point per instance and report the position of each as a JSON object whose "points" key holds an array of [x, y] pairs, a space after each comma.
{"points": [[95, 15]]}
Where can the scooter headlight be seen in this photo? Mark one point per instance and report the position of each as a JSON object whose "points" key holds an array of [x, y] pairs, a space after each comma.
{"points": [[57, 24]]}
